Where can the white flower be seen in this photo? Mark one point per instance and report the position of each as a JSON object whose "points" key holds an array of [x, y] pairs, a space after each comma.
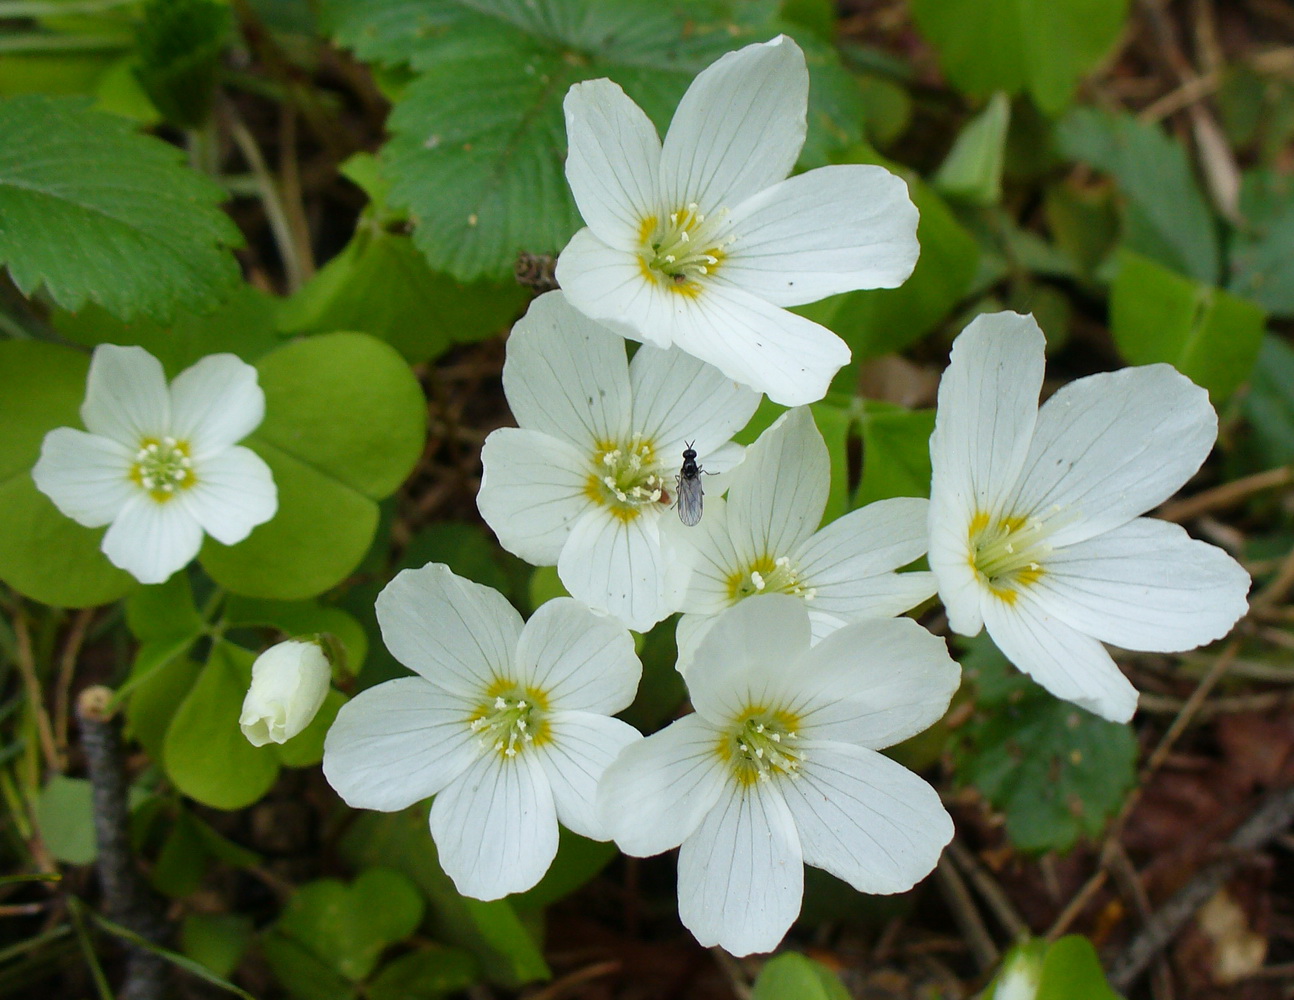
{"points": [[584, 481], [701, 242], [289, 682], [507, 725], [160, 465], [764, 541], [1034, 530], [779, 766]]}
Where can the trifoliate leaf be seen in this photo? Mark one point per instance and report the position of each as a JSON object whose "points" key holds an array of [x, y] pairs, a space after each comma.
{"points": [[94, 212]]}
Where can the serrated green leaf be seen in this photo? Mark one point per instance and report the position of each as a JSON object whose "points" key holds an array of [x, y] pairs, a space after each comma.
{"points": [[1262, 267], [1057, 771], [1042, 46], [205, 754], [93, 211], [792, 976], [243, 324], [329, 472], [1165, 215], [1210, 336], [1269, 404], [44, 555]]}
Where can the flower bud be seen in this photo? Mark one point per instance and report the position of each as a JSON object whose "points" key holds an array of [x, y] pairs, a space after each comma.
{"points": [[1021, 973], [289, 683]]}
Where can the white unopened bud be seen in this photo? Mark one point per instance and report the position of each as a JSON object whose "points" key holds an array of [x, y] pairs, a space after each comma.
{"points": [[289, 683], [1020, 974]]}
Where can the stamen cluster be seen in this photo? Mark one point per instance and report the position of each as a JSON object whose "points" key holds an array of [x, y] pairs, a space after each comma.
{"points": [[1008, 552], [510, 724], [162, 467], [770, 576], [628, 476], [764, 745], [688, 246]]}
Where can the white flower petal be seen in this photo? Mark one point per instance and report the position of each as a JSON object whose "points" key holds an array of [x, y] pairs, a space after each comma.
{"points": [[741, 875], [831, 230], [874, 683], [689, 632], [1072, 666], [713, 555], [849, 562], [125, 395], [495, 826], [739, 127], [457, 634], [866, 819], [678, 399], [988, 403], [1145, 585], [151, 540], [789, 358], [950, 557], [611, 287], [87, 476], [746, 655], [613, 163], [618, 566], [777, 495], [1111, 446], [215, 403], [567, 376], [580, 660], [533, 489], [582, 747], [659, 789], [234, 491], [397, 743]]}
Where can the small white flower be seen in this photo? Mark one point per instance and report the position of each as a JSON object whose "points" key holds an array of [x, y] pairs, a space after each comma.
{"points": [[702, 242], [764, 541], [584, 481], [289, 682], [507, 725], [160, 465], [778, 767], [1034, 530]]}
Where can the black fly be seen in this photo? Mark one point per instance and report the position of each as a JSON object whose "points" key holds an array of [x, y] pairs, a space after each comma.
{"points": [[690, 493]]}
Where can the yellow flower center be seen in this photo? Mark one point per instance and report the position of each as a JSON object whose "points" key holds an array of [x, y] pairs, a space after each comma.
{"points": [[767, 575], [762, 745], [683, 248], [511, 720], [163, 468], [1008, 553], [626, 478]]}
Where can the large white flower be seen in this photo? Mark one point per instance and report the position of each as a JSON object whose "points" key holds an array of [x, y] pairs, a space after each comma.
{"points": [[160, 465], [1034, 530], [764, 540], [778, 766], [584, 481], [702, 242], [508, 725]]}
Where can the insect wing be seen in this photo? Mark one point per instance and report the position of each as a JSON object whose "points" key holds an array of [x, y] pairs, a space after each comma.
{"points": [[689, 500]]}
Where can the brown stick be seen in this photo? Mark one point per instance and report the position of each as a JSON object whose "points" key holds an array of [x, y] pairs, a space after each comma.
{"points": [[127, 899]]}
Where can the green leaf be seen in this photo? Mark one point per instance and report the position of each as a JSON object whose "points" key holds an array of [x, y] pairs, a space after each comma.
{"points": [[302, 618], [479, 137], [469, 550], [1262, 267], [1210, 336], [883, 320], [164, 610], [217, 940], [972, 170], [1072, 971], [792, 976], [425, 974], [1057, 771], [1042, 46], [834, 422], [1165, 215], [380, 284], [205, 754], [160, 679], [179, 43], [578, 860], [93, 211], [330, 472], [65, 818], [508, 953], [1269, 404], [244, 324], [349, 926], [305, 975], [896, 452], [44, 555]]}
